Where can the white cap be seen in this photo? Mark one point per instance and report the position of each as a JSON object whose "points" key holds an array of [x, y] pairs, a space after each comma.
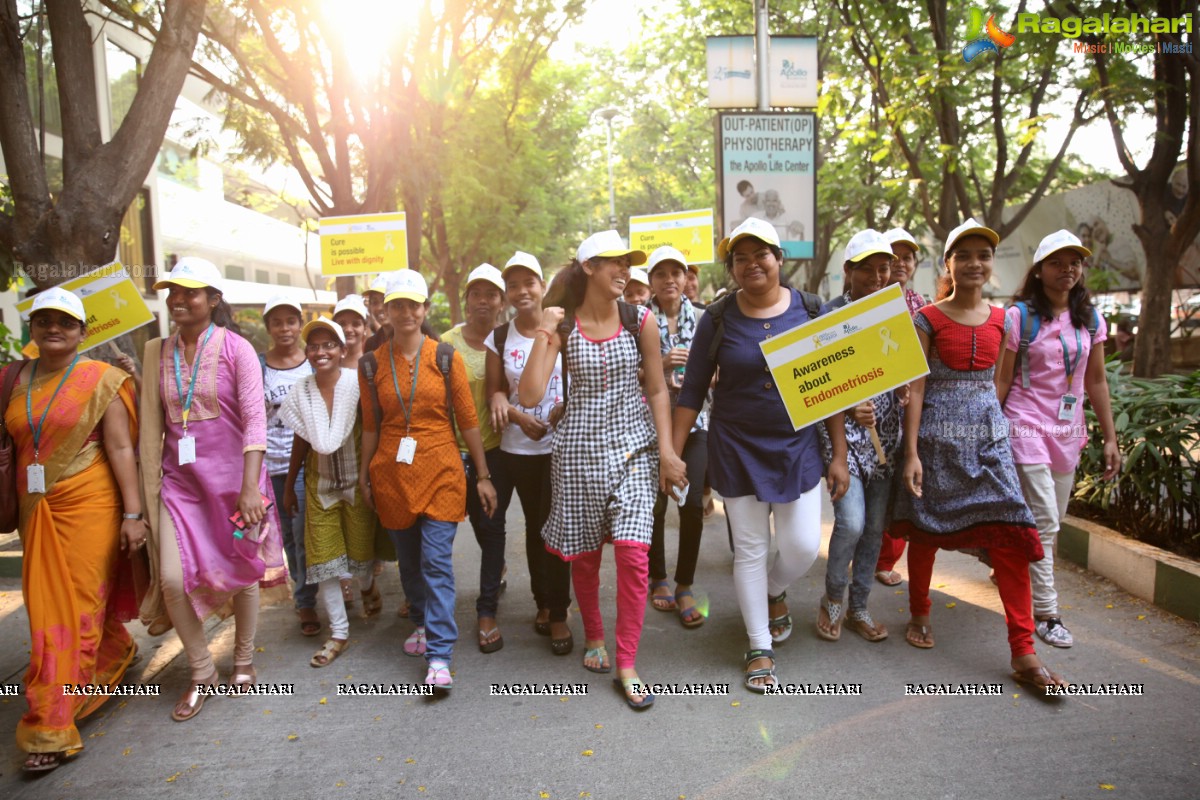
{"points": [[192, 272], [485, 272], [352, 302], [970, 228], [867, 243], [608, 244], [378, 285], [639, 275], [58, 299], [753, 226], [901, 236], [327, 324], [1060, 240], [666, 253], [407, 284], [523, 259], [280, 300]]}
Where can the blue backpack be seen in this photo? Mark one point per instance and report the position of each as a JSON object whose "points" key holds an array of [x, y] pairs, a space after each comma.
{"points": [[1031, 323]]}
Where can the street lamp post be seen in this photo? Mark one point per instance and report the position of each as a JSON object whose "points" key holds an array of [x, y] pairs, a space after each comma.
{"points": [[607, 114]]}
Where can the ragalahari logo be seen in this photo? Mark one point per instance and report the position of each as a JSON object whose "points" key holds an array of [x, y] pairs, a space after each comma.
{"points": [[981, 38]]}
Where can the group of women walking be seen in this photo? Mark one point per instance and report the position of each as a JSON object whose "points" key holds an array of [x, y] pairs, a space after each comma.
{"points": [[344, 452]]}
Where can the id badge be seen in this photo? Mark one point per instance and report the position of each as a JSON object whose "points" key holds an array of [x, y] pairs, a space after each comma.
{"points": [[1066, 407], [408, 449], [35, 476], [187, 450]]}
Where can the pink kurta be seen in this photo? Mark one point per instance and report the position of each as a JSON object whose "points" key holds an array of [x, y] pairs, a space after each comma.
{"points": [[227, 419]]}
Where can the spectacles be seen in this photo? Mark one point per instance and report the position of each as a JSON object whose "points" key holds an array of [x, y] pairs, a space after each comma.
{"points": [[46, 321], [328, 346]]}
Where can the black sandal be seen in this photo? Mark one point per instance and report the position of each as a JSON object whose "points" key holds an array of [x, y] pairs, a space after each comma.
{"points": [[761, 672]]}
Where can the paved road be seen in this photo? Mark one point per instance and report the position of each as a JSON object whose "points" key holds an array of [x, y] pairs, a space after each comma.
{"points": [[474, 745]]}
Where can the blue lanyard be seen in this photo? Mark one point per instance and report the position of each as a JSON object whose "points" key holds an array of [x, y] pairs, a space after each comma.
{"points": [[37, 429], [412, 392], [1067, 362], [187, 404]]}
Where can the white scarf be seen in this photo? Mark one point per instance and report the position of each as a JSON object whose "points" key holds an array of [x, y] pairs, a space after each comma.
{"points": [[331, 435]]}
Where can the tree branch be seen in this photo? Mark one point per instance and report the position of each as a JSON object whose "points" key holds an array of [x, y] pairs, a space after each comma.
{"points": [[18, 137], [71, 44]]}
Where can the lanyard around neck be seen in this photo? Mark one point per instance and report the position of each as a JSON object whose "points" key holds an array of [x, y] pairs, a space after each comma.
{"points": [[37, 429], [187, 403], [412, 392], [1068, 363]]}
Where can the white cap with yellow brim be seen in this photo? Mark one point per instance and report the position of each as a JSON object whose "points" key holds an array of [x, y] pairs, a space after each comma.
{"points": [[58, 299], [192, 272], [664, 254], [352, 302], [378, 285], [488, 274], [280, 300], [865, 244], [900, 236], [523, 259], [1059, 240], [326, 324], [638, 275], [755, 227], [407, 284], [608, 244], [970, 228]]}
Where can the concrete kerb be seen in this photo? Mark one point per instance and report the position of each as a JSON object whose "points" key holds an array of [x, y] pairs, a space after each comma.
{"points": [[1169, 581]]}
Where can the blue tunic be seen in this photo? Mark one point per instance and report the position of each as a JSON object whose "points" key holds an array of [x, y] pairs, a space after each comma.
{"points": [[752, 448]]}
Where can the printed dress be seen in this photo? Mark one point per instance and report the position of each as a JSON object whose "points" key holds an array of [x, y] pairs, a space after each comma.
{"points": [[604, 465], [971, 495]]}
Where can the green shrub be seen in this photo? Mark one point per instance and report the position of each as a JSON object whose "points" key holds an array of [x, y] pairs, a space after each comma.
{"points": [[1156, 498]]}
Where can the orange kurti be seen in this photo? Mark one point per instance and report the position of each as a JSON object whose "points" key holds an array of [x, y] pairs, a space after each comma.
{"points": [[434, 485]]}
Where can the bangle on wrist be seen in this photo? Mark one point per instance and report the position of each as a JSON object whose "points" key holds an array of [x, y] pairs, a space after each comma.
{"points": [[133, 516], [482, 478]]}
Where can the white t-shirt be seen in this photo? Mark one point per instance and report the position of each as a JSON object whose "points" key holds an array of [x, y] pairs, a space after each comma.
{"points": [[514, 357], [276, 385]]}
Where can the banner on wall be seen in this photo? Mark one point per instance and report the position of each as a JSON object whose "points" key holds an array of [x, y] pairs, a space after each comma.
{"points": [[689, 232], [363, 244], [767, 169]]}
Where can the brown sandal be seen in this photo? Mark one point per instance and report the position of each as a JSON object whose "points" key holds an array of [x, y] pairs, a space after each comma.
{"points": [[1039, 678], [919, 635], [328, 652], [310, 624], [372, 601], [193, 701]]}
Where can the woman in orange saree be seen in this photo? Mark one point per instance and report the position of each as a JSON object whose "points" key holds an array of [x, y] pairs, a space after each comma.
{"points": [[74, 430]]}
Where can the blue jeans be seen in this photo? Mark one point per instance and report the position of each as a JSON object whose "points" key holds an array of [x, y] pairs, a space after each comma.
{"points": [[857, 534], [427, 574], [304, 595], [489, 531]]}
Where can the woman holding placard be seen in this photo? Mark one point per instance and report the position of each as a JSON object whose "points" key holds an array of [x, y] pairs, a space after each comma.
{"points": [[74, 433], [759, 463], [215, 534], [957, 454]]}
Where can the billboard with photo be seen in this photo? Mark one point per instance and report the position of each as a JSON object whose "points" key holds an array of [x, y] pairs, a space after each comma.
{"points": [[766, 164]]}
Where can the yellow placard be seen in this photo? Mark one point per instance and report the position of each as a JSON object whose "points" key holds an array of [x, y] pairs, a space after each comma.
{"points": [[111, 301], [842, 358], [689, 232], [363, 244]]}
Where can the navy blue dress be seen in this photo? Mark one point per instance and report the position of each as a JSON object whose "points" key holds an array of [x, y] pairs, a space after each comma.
{"points": [[752, 447]]}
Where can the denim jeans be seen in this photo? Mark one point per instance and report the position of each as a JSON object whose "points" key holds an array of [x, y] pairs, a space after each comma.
{"points": [[304, 594], [427, 575], [489, 531], [857, 534]]}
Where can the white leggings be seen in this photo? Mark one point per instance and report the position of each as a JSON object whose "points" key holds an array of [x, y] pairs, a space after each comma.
{"points": [[755, 573], [330, 592]]}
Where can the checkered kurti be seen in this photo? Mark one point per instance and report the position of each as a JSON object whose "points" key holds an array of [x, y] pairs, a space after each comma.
{"points": [[605, 457]]}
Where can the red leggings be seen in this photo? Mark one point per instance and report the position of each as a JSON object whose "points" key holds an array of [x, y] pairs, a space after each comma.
{"points": [[633, 569], [1012, 577], [889, 552]]}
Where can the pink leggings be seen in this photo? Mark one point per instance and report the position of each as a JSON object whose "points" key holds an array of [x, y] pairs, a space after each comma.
{"points": [[633, 570]]}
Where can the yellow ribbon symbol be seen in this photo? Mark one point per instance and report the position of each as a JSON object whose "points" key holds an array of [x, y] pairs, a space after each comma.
{"points": [[387, 242], [118, 301], [696, 236], [888, 343]]}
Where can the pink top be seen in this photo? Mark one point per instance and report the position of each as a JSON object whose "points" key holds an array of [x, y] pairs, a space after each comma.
{"points": [[1038, 436], [205, 405]]}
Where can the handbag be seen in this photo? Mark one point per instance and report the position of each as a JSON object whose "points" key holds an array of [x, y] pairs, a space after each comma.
{"points": [[9, 507]]}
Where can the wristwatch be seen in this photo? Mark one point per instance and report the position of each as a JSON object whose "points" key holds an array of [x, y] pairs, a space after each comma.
{"points": [[132, 516], [487, 477]]}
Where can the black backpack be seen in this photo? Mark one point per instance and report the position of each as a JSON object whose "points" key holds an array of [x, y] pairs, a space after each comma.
{"points": [[629, 321], [368, 367], [716, 312]]}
